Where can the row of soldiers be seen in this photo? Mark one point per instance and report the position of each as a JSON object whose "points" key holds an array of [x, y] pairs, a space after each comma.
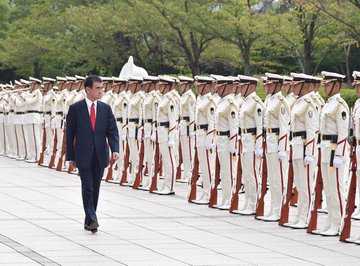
{"points": [[217, 133]]}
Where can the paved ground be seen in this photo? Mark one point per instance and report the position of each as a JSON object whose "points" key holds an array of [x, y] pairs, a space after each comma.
{"points": [[41, 222]]}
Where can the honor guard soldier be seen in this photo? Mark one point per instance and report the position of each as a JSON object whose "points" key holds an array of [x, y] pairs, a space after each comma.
{"points": [[205, 134], [2, 123], [304, 125], [56, 118], [167, 122], [356, 119], [9, 128], [334, 124], [187, 125], [120, 111], [49, 95], [276, 120], [12, 121], [63, 95], [108, 96], [135, 125], [227, 129], [288, 89], [20, 111], [150, 104], [34, 120], [81, 93], [251, 123]]}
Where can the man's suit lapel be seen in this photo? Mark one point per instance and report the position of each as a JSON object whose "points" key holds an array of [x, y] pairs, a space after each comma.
{"points": [[85, 112]]}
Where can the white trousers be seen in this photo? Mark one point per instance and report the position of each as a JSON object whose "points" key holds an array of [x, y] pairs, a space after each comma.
{"points": [[334, 188], [34, 141], [207, 169], [250, 177], [21, 140], [276, 175], [3, 148], [187, 150], [303, 173], [169, 165], [134, 158]]}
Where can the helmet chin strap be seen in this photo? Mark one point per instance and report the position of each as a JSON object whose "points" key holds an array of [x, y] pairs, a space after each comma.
{"points": [[332, 88], [223, 90], [202, 89], [274, 91], [302, 86], [247, 88]]}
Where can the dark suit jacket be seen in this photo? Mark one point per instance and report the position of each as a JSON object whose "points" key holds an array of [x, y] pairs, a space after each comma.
{"points": [[82, 141]]}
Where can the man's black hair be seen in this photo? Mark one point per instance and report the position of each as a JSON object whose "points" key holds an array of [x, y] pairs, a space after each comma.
{"points": [[90, 80]]}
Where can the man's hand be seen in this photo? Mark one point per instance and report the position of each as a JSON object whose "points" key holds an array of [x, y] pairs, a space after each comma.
{"points": [[72, 164], [115, 156]]}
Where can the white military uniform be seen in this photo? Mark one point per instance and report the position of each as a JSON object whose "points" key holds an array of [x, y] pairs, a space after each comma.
{"points": [[12, 130], [251, 137], [291, 99], [151, 102], [334, 125], [167, 116], [20, 120], [9, 130], [3, 146], [47, 103], [227, 129], [34, 120], [356, 125], [59, 118], [120, 112], [304, 124], [187, 130], [277, 118], [135, 115], [205, 142]]}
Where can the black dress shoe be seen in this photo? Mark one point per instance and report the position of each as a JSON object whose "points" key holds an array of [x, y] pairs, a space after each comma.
{"points": [[93, 226]]}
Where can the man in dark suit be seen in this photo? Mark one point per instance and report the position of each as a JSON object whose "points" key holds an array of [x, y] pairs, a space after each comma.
{"points": [[90, 130]]}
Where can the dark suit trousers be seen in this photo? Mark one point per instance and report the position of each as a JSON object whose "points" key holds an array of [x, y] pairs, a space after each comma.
{"points": [[90, 186]]}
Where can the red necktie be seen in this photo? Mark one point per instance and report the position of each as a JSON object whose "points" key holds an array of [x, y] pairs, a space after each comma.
{"points": [[92, 116]]}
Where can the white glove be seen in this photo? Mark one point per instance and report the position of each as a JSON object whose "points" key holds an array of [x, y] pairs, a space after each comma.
{"points": [[171, 143], [192, 133], [234, 151], [258, 152], [282, 155], [123, 137], [209, 146], [153, 136], [139, 137], [338, 161], [52, 125], [308, 159]]}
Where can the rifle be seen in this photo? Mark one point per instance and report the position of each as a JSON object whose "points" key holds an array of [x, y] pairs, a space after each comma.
{"points": [[53, 156], [350, 203], [43, 148], [194, 176], [178, 170], [214, 193], [63, 150], [109, 175], [284, 215], [235, 196], [126, 165], [138, 177], [260, 201], [316, 198], [154, 178]]}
